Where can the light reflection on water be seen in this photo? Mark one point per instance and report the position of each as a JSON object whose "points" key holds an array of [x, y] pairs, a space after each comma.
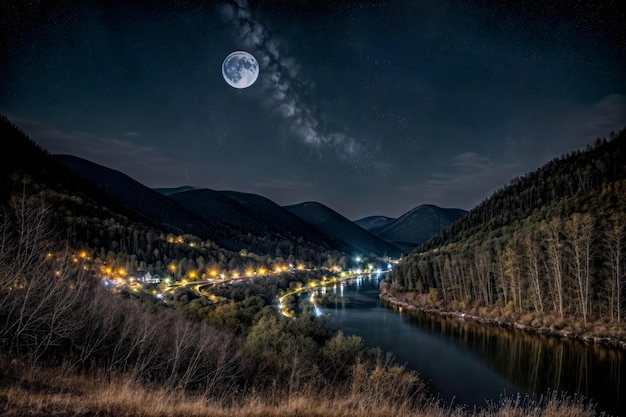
{"points": [[469, 363]]}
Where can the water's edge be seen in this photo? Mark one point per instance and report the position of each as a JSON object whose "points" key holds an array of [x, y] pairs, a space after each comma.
{"points": [[585, 338], [473, 360]]}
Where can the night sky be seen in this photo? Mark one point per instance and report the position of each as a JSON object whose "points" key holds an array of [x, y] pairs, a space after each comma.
{"points": [[367, 107]]}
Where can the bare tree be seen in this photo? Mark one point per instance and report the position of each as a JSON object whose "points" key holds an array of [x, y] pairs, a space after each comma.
{"points": [[482, 263], [554, 247], [579, 233], [614, 238], [41, 292], [533, 264], [512, 271]]}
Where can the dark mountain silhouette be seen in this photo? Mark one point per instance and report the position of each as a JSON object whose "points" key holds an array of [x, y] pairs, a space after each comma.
{"points": [[212, 205], [280, 219], [152, 204], [232, 220], [229, 219], [29, 166], [250, 213], [343, 230], [419, 224], [373, 224], [97, 207]]}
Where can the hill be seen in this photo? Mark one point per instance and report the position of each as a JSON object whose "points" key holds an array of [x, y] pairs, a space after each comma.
{"points": [[106, 229], [419, 224], [547, 248], [212, 205], [281, 219], [130, 227], [159, 208], [76, 204], [343, 230], [257, 215], [208, 214], [373, 224]]}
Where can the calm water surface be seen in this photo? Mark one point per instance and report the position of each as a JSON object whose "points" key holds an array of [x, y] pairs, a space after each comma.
{"points": [[469, 363]]}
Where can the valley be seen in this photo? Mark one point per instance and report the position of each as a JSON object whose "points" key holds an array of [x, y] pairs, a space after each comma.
{"points": [[145, 283]]}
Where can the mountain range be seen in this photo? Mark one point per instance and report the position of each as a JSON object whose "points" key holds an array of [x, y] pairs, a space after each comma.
{"points": [[232, 220], [338, 227], [412, 228]]}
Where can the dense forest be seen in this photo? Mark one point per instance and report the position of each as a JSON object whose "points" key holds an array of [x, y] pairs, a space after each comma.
{"points": [[546, 250]]}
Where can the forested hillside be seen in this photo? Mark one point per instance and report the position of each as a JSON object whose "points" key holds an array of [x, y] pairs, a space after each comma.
{"points": [[113, 234], [547, 250], [333, 224], [419, 224]]}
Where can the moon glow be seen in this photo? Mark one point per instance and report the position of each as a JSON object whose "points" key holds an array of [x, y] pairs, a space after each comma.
{"points": [[240, 69]]}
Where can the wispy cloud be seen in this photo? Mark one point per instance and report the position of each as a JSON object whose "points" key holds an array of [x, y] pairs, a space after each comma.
{"points": [[282, 85], [471, 163]]}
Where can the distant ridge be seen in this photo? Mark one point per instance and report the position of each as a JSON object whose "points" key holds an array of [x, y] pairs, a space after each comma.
{"points": [[205, 213], [280, 218], [413, 227], [419, 224], [373, 224], [145, 200], [343, 230], [251, 213]]}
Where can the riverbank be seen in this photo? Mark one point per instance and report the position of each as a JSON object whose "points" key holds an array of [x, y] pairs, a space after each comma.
{"points": [[507, 322]]}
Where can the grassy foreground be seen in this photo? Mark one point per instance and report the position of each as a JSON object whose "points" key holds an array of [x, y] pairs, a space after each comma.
{"points": [[27, 391]]}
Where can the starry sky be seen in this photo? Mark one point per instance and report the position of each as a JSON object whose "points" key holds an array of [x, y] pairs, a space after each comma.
{"points": [[369, 107]]}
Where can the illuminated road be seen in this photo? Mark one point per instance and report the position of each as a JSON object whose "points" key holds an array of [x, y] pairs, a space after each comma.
{"points": [[198, 285], [312, 285]]}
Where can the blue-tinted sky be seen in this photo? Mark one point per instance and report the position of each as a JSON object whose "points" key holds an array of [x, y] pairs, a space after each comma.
{"points": [[368, 107]]}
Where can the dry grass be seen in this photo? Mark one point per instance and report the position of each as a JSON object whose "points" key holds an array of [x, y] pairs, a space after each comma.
{"points": [[28, 392]]}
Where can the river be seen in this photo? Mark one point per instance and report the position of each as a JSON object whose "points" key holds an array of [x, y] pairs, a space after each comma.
{"points": [[466, 363]]}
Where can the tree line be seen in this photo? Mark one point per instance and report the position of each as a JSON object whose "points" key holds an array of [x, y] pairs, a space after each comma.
{"points": [[559, 259]]}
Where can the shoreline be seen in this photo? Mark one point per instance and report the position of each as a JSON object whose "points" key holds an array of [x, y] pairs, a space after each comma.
{"points": [[610, 342]]}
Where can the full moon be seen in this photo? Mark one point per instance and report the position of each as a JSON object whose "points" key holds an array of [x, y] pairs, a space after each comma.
{"points": [[240, 69]]}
